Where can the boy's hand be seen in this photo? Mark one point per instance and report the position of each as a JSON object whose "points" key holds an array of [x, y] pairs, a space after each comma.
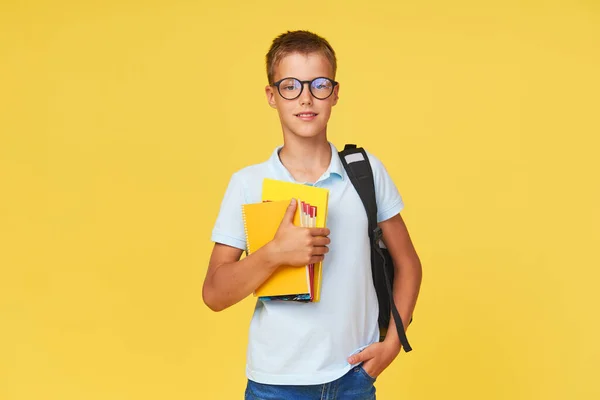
{"points": [[376, 357], [299, 246]]}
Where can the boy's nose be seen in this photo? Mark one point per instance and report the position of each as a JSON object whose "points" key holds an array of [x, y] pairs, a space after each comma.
{"points": [[306, 96]]}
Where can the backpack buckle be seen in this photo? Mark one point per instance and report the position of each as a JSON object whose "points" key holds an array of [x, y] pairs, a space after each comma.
{"points": [[378, 234]]}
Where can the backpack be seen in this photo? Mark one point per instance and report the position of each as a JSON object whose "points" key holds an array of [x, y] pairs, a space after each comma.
{"points": [[357, 165]]}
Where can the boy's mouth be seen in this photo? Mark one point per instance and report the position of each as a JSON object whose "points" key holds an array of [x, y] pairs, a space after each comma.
{"points": [[307, 116]]}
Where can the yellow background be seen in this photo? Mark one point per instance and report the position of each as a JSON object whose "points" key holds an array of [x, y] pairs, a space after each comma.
{"points": [[121, 123]]}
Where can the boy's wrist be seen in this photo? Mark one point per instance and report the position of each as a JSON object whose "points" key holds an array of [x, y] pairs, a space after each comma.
{"points": [[272, 258], [392, 341]]}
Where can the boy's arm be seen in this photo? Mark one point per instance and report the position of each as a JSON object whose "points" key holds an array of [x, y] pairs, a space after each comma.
{"points": [[407, 281], [229, 279]]}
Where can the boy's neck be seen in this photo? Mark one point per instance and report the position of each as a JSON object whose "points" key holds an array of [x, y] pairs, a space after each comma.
{"points": [[306, 159]]}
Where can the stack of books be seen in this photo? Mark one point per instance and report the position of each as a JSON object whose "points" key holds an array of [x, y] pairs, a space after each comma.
{"points": [[261, 221]]}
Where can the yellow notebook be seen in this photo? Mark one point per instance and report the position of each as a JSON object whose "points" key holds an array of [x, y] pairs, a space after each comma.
{"points": [[261, 221], [275, 190]]}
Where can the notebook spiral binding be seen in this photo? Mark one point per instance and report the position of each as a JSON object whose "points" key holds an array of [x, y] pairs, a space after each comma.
{"points": [[246, 231]]}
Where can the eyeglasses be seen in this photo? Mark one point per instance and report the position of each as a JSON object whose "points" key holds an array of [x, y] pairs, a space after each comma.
{"points": [[291, 88]]}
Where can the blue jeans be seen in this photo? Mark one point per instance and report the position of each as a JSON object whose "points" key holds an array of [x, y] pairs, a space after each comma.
{"points": [[355, 385]]}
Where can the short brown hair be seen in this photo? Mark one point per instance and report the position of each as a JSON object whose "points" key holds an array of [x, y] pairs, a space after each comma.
{"points": [[303, 42]]}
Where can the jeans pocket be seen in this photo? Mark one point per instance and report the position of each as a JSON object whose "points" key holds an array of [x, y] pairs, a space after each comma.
{"points": [[365, 374]]}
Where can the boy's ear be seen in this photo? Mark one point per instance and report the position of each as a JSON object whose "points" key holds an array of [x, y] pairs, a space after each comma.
{"points": [[270, 96], [336, 95]]}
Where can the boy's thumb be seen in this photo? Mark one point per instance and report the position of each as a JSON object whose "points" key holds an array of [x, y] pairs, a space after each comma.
{"points": [[289, 213]]}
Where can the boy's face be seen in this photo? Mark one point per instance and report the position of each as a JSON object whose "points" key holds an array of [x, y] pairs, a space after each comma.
{"points": [[295, 115]]}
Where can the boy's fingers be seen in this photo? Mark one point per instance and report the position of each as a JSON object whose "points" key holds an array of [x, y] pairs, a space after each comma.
{"points": [[320, 250], [360, 357], [319, 231], [321, 241], [316, 259]]}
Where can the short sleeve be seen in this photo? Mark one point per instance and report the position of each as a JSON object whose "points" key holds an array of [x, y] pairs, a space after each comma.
{"points": [[389, 200], [229, 226]]}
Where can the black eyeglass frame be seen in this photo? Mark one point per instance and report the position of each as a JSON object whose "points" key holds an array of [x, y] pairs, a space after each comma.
{"points": [[333, 83]]}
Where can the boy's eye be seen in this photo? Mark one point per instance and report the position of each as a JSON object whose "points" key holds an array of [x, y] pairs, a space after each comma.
{"points": [[288, 85], [321, 84]]}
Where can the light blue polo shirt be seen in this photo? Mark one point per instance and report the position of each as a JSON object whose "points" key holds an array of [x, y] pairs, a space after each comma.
{"points": [[294, 343]]}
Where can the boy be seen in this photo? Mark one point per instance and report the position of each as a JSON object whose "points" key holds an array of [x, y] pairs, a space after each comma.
{"points": [[327, 349]]}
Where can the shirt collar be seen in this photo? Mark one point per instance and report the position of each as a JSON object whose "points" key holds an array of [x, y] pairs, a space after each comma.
{"points": [[335, 165]]}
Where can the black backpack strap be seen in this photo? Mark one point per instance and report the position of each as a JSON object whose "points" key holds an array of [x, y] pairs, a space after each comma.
{"points": [[358, 167], [361, 175]]}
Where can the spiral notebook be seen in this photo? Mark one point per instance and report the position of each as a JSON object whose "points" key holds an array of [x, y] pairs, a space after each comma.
{"points": [[261, 221]]}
